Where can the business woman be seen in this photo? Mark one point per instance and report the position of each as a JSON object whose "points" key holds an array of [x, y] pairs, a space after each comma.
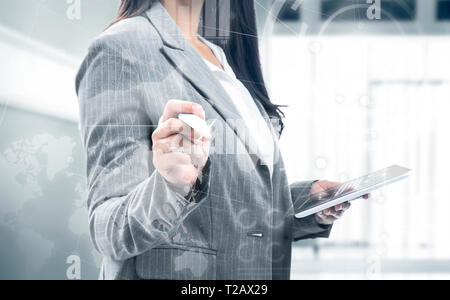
{"points": [[170, 202]]}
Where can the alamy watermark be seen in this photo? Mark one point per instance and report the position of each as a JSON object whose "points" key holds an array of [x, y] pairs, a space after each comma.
{"points": [[73, 12], [74, 270]]}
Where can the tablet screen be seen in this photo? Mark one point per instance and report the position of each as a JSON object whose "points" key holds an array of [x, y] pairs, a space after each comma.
{"points": [[375, 179]]}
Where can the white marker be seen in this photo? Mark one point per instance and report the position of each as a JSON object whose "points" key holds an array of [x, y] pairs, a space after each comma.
{"points": [[196, 123]]}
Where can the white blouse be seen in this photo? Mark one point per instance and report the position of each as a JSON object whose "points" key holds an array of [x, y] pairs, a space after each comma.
{"points": [[261, 137]]}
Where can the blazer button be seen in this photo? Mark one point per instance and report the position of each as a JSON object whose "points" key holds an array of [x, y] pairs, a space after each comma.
{"points": [[258, 234]]}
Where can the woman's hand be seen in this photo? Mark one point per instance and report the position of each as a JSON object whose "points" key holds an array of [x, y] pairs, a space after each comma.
{"points": [[180, 152], [330, 215]]}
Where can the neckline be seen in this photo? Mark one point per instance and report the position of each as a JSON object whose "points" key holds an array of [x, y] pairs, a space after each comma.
{"points": [[220, 56]]}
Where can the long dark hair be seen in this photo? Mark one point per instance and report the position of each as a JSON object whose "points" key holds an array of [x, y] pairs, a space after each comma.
{"points": [[240, 46]]}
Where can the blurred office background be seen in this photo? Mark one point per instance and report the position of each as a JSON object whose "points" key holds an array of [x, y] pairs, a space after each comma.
{"points": [[362, 93]]}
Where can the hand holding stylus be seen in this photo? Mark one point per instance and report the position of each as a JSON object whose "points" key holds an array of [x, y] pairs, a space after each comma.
{"points": [[179, 151]]}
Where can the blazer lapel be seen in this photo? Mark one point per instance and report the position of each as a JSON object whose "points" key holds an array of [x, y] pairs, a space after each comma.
{"points": [[191, 65]]}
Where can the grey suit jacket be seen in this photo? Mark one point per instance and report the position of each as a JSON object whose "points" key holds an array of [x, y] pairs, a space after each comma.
{"points": [[241, 224]]}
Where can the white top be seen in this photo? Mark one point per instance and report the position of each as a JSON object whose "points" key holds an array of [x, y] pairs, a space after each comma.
{"points": [[261, 139]]}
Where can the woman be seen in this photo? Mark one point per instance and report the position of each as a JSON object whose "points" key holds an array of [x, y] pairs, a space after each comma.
{"points": [[170, 202]]}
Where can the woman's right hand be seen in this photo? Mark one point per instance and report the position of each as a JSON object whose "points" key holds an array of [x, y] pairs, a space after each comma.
{"points": [[180, 152]]}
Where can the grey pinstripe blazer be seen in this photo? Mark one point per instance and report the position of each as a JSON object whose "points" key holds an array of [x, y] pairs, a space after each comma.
{"points": [[241, 225]]}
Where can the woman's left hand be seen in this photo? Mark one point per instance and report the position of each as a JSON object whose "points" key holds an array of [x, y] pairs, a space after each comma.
{"points": [[330, 215]]}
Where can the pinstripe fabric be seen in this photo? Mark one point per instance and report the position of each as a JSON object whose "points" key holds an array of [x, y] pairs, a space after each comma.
{"points": [[241, 225]]}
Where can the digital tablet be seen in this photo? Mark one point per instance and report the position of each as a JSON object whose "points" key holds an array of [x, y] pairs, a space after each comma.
{"points": [[351, 190]]}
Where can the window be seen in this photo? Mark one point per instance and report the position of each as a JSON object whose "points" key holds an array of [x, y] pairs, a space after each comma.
{"points": [[358, 104], [290, 12], [215, 25], [443, 10]]}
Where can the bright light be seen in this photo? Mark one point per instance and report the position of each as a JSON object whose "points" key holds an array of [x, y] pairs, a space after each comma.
{"points": [[360, 104], [36, 78]]}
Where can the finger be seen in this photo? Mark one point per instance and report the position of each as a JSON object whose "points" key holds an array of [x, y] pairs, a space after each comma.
{"points": [[197, 152], [336, 214], [175, 126], [338, 207], [167, 144], [167, 128], [366, 196], [176, 107], [326, 220], [199, 155], [330, 219], [342, 207], [178, 143], [346, 206], [176, 167], [326, 212], [184, 174], [333, 213], [164, 161]]}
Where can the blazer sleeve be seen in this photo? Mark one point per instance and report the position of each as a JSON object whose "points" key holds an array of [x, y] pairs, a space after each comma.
{"points": [[131, 206], [306, 228]]}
